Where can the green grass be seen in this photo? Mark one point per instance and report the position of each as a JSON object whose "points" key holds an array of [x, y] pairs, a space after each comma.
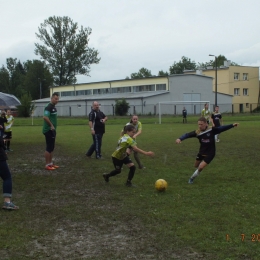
{"points": [[72, 214]]}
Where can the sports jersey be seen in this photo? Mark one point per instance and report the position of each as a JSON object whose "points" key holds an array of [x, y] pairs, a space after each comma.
{"points": [[205, 113], [50, 111], [138, 126], [216, 116], [207, 138], [9, 123], [124, 142], [95, 117]]}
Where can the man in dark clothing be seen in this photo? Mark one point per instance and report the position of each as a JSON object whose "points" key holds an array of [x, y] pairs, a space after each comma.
{"points": [[97, 121], [7, 179], [184, 115], [206, 136], [3, 120], [49, 130]]}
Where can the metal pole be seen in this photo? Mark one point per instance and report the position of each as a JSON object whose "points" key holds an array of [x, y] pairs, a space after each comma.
{"points": [[216, 82], [40, 89]]}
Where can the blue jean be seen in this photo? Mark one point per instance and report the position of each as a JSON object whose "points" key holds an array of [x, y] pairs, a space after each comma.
{"points": [[7, 179], [96, 146]]}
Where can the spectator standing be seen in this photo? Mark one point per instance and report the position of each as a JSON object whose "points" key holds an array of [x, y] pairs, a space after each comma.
{"points": [[7, 179], [216, 120], [8, 130], [49, 130], [184, 115], [206, 112], [97, 120], [3, 120]]}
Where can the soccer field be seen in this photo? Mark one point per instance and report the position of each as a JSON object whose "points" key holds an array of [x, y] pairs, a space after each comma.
{"points": [[71, 213]]}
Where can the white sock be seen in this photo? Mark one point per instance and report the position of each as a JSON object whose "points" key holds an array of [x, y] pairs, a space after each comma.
{"points": [[195, 174]]}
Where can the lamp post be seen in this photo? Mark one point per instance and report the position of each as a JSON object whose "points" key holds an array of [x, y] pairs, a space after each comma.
{"points": [[40, 87], [216, 80]]}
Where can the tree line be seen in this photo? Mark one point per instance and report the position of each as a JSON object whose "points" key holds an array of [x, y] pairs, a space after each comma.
{"points": [[185, 63]]}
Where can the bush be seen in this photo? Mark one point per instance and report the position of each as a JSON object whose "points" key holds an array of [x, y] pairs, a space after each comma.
{"points": [[121, 107], [26, 107]]}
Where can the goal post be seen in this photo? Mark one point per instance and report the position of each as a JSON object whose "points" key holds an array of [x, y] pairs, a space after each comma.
{"points": [[176, 107]]}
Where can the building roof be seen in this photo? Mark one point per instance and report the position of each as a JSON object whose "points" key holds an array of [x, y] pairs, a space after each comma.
{"points": [[112, 96]]}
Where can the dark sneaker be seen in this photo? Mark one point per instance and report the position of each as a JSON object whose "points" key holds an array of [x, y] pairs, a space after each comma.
{"points": [[130, 184], [106, 177], [190, 181], [10, 206]]}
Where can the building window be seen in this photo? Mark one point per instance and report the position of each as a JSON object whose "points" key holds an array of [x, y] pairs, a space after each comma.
{"points": [[236, 92], [144, 88], [160, 87], [247, 105], [83, 92], [245, 91], [101, 91], [245, 76], [67, 93], [121, 90], [236, 76]]}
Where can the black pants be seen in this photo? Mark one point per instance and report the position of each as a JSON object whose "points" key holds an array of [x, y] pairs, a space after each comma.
{"points": [[96, 146]]}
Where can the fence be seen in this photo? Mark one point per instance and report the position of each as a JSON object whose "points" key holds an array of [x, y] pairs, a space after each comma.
{"points": [[149, 109]]}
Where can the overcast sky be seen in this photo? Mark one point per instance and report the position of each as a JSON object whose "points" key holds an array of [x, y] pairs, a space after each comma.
{"points": [[131, 34]]}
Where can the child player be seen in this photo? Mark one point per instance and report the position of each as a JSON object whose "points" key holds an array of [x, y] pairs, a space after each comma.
{"points": [[217, 121], [120, 155]]}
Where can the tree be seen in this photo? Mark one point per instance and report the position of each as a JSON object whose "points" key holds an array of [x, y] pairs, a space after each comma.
{"points": [[65, 49], [162, 73], [142, 73], [184, 64], [212, 63], [37, 73], [26, 107], [4, 80], [121, 107]]}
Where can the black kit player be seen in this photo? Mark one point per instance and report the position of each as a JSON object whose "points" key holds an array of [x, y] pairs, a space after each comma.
{"points": [[217, 121], [184, 115], [206, 136]]}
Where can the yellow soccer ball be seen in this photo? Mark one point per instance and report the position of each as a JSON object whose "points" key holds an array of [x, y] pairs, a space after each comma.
{"points": [[161, 185]]}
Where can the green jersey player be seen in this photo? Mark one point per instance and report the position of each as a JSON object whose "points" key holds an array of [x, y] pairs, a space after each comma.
{"points": [[120, 155]]}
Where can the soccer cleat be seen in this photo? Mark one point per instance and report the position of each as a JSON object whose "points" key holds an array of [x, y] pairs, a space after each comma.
{"points": [[106, 177], [49, 168], [130, 184], [9, 205], [55, 166], [190, 181]]}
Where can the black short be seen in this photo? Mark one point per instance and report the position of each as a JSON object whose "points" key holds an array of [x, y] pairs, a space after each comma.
{"points": [[119, 163], [7, 135], [50, 140], [206, 158]]}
